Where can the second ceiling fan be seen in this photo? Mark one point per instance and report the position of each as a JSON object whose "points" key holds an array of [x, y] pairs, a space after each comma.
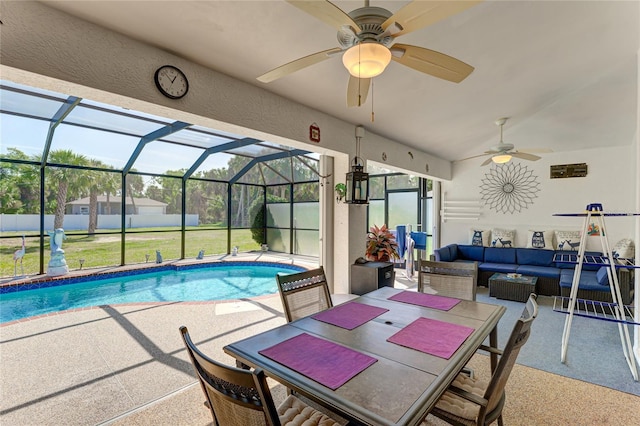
{"points": [[503, 152], [367, 37]]}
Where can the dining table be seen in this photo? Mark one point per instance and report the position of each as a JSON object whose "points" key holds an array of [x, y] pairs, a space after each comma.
{"points": [[384, 358]]}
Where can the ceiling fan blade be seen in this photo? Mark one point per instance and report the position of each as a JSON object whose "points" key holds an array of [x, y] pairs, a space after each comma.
{"points": [[525, 156], [473, 156], [297, 65], [357, 91], [327, 12], [419, 14], [485, 162], [431, 62], [536, 150]]}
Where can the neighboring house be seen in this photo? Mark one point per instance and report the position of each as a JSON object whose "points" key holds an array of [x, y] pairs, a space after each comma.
{"points": [[142, 206]]}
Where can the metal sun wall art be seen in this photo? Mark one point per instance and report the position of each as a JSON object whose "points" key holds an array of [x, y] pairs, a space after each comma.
{"points": [[509, 187]]}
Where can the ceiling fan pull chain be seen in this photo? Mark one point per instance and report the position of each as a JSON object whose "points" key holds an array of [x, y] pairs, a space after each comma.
{"points": [[372, 113]]}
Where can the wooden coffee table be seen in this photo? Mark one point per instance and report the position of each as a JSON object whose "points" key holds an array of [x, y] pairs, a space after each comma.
{"points": [[518, 289]]}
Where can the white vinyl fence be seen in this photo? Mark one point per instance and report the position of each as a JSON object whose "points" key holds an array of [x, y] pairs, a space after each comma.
{"points": [[79, 222]]}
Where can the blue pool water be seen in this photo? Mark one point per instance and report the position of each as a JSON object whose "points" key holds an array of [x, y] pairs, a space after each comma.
{"points": [[218, 281]]}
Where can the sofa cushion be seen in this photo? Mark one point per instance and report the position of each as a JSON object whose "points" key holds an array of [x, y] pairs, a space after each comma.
{"points": [[447, 253], [602, 276], [573, 255], [443, 254], [566, 276], [466, 252], [588, 280], [592, 257], [539, 271], [505, 268], [535, 257], [499, 255]]}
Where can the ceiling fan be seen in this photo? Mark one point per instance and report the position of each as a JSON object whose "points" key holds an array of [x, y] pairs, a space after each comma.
{"points": [[503, 152], [367, 42]]}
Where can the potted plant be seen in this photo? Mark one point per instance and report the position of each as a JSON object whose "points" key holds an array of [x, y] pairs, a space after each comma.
{"points": [[341, 192], [381, 244]]}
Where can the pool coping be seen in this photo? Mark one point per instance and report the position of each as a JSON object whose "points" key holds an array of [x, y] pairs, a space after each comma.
{"points": [[279, 258]]}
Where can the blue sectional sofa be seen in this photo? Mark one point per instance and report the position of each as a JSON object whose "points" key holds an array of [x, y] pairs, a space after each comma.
{"points": [[554, 278]]}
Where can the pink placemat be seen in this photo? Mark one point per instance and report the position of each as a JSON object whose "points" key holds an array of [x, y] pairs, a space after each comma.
{"points": [[327, 363], [350, 315], [426, 300], [431, 336]]}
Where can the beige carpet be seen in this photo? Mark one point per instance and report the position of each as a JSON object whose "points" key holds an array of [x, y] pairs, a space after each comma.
{"points": [[534, 397]]}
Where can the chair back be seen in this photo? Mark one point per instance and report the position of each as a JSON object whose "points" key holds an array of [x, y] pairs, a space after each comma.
{"points": [[452, 279], [304, 293], [517, 339], [235, 396]]}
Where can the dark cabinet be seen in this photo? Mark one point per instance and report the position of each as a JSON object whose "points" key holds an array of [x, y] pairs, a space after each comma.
{"points": [[366, 277]]}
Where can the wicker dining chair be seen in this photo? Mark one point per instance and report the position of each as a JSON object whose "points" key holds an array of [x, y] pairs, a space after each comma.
{"points": [[472, 401], [238, 397], [304, 293]]}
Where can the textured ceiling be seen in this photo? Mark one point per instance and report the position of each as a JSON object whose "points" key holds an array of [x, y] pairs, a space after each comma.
{"points": [[565, 72]]}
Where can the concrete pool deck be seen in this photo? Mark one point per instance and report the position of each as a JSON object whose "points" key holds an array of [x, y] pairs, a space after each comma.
{"points": [[93, 365]]}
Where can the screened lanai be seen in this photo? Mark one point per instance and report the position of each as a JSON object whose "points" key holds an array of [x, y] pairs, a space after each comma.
{"points": [[188, 190], [69, 163]]}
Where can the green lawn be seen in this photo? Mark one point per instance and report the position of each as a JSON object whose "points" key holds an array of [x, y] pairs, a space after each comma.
{"points": [[104, 250]]}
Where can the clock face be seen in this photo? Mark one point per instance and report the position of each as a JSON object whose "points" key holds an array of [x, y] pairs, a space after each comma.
{"points": [[171, 82]]}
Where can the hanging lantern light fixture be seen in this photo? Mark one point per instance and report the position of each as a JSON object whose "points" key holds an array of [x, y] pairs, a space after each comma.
{"points": [[357, 178]]}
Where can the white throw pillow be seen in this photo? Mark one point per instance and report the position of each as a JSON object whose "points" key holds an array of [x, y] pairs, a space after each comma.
{"points": [[503, 237], [568, 240], [479, 237], [540, 239], [624, 249]]}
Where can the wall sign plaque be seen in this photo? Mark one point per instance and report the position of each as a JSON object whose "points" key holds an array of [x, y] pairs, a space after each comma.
{"points": [[568, 170]]}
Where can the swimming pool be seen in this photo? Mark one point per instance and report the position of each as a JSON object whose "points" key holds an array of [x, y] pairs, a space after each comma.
{"points": [[217, 281]]}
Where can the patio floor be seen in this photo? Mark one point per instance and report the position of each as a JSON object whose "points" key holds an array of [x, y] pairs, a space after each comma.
{"points": [[126, 365]]}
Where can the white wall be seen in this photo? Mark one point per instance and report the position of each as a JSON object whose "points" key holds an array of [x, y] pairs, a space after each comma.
{"points": [[611, 181]]}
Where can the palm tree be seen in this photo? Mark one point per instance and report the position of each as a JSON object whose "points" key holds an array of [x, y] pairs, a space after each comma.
{"points": [[97, 183], [65, 178], [112, 184], [135, 187]]}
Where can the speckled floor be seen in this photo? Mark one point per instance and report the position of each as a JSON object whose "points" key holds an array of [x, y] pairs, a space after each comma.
{"points": [[127, 365], [533, 398]]}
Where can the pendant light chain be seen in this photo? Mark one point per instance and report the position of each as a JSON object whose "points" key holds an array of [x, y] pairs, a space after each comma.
{"points": [[359, 79]]}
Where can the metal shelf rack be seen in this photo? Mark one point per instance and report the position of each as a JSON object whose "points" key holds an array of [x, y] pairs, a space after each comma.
{"points": [[615, 311]]}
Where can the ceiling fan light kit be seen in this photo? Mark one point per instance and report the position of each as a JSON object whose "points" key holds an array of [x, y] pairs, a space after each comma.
{"points": [[366, 38], [366, 60], [501, 158]]}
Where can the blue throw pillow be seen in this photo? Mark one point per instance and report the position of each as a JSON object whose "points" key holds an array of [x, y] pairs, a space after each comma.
{"points": [[602, 276]]}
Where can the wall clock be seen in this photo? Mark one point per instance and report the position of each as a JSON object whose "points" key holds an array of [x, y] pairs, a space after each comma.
{"points": [[171, 82]]}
